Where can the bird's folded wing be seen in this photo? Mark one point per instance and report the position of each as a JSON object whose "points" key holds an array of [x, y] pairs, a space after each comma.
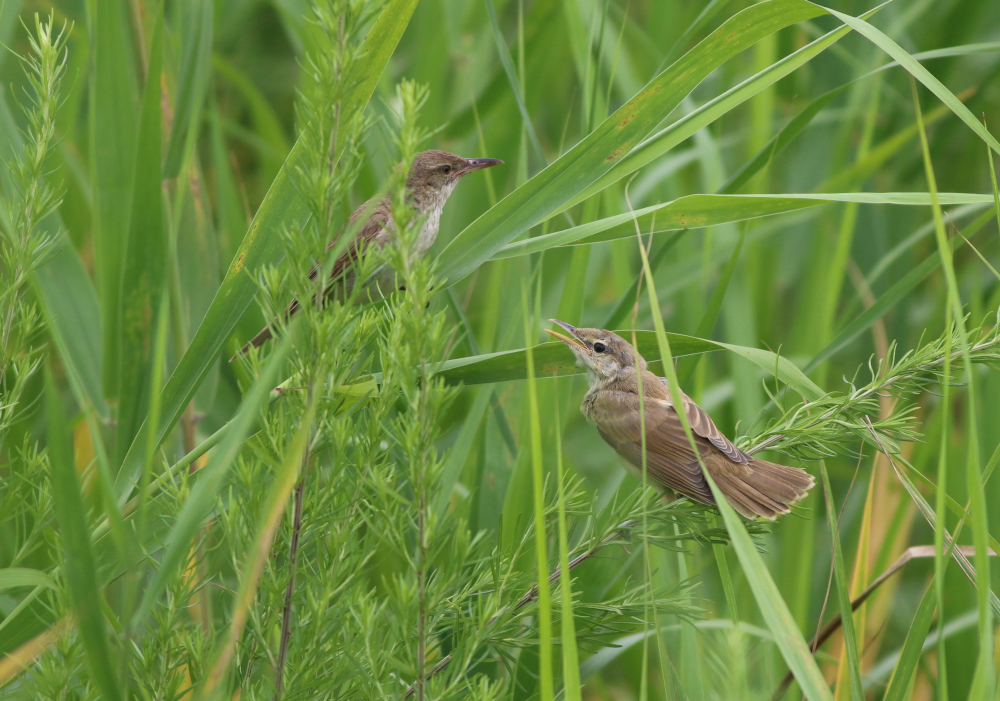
{"points": [[702, 425], [669, 458], [377, 219]]}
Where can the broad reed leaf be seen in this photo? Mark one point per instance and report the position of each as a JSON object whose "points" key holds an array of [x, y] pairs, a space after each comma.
{"points": [[283, 206]]}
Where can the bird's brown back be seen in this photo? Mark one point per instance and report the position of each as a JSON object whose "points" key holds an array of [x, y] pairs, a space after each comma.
{"points": [[753, 487]]}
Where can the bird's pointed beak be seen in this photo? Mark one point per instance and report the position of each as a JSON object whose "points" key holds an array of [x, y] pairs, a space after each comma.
{"points": [[570, 340], [479, 163]]}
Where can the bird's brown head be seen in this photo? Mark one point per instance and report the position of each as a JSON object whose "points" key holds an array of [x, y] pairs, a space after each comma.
{"points": [[604, 353], [434, 174]]}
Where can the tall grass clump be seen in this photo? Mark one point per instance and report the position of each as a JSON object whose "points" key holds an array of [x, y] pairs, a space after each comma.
{"points": [[790, 209]]}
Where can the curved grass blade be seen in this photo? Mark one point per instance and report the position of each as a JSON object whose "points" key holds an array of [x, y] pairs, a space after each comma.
{"points": [[283, 206], [508, 66], [13, 577], [913, 67], [698, 211], [983, 679], [80, 570], [664, 140], [554, 188]]}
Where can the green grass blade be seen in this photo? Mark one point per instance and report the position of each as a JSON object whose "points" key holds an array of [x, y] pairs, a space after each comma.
{"points": [[711, 315], [885, 303], [14, 577], [113, 122], [209, 482], [273, 144], [508, 66], [570, 656], [73, 318], [947, 539], [773, 608], [983, 681], [80, 570], [843, 588], [902, 674], [993, 182], [541, 538], [196, 66], [463, 446], [664, 140], [780, 140], [698, 211], [282, 207], [553, 189], [727, 583], [914, 68], [143, 267]]}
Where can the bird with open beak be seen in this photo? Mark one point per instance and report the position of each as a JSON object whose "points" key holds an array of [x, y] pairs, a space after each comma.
{"points": [[752, 486], [431, 180]]}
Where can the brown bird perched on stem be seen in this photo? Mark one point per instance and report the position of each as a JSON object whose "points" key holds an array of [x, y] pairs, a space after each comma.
{"points": [[431, 180], [752, 486]]}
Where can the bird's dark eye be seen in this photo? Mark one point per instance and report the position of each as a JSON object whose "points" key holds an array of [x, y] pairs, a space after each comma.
{"points": [[446, 169], [599, 347]]}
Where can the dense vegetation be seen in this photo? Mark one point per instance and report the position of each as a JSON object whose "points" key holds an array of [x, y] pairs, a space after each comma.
{"points": [[794, 210]]}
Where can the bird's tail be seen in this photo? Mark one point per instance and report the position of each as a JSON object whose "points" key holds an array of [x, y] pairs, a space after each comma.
{"points": [[257, 341], [763, 488]]}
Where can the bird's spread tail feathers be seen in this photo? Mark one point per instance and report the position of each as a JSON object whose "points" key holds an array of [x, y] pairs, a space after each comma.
{"points": [[764, 488]]}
